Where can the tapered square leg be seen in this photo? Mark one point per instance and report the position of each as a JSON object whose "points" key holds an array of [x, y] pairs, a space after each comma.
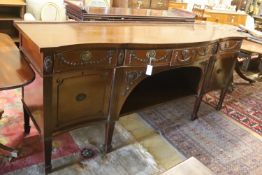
{"points": [[109, 130], [196, 107], [47, 155]]}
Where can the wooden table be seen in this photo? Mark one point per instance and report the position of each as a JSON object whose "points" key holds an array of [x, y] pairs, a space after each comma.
{"points": [[96, 71], [14, 73], [249, 49]]}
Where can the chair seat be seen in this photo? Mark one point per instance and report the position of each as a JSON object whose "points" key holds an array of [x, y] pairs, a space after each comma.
{"points": [[14, 71]]}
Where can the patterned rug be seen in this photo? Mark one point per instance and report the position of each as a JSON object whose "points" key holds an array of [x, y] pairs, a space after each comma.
{"points": [[129, 158], [244, 104], [220, 144], [29, 147]]}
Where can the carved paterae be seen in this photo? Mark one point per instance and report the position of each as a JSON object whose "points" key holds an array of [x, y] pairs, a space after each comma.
{"points": [[230, 45], [131, 77], [202, 51], [150, 53], [48, 64], [86, 58], [187, 55]]}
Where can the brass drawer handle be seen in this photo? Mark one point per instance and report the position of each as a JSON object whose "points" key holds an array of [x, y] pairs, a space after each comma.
{"points": [[80, 97]]}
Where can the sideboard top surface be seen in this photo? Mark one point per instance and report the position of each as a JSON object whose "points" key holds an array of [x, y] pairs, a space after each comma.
{"points": [[117, 34]]}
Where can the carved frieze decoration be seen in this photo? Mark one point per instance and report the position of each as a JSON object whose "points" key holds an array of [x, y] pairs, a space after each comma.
{"points": [[48, 64], [149, 55], [186, 55], [86, 58], [131, 78], [203, 51]]}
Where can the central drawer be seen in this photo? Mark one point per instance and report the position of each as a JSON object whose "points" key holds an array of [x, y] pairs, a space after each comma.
{"points": [[159, 57]]}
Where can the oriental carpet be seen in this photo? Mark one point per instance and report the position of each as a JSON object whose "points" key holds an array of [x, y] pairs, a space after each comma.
{"points": [[243, 104], [220, 144]]}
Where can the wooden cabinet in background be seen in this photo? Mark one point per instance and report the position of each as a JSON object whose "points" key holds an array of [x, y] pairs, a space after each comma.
{"points": [[177, 5], [225, 17], [10, 11]]}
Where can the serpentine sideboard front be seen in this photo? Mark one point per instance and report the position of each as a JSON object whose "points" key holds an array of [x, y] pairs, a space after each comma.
{"points": [[87, 71]]}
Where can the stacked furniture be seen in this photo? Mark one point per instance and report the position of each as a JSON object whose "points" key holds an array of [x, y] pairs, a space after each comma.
{"points": [[78, 13], [147, 4]]}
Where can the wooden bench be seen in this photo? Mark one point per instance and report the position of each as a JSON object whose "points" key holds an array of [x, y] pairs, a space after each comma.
{"points": [[15, 72]]}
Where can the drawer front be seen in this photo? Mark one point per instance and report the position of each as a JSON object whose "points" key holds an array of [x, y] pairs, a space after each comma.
{"points": [[158, 57], [187, 56], [232, 19], [80, 59], [230, 46], [84, 97]]}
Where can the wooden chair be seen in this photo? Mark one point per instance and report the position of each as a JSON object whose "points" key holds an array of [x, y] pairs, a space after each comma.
{"points": [[14, 73]]}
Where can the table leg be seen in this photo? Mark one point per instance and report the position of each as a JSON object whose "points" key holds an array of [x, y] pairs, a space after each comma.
{"points": [[109, 130], [47, 154], [203, 86], [238, 71], [226, 88]]}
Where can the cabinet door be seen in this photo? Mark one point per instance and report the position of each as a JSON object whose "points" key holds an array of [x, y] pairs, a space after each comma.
{"points": [[222, 71], [84, 97]]}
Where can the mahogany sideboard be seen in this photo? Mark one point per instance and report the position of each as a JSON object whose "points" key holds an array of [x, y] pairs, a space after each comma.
{"points": [[90, 71]]}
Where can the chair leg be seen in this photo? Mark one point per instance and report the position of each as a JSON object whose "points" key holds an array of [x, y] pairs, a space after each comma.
{"points": [[1, 113], [26, 121], [12, 152]]}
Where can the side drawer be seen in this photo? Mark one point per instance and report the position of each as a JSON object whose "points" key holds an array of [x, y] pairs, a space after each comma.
{"points": [[229, 46], [187, 56], [160, 57], [84, 97], [80, 59]]}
